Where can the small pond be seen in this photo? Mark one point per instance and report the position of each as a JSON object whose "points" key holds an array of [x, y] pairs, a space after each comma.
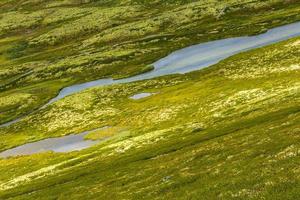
{"points": [[67, 143], [141, 95]]}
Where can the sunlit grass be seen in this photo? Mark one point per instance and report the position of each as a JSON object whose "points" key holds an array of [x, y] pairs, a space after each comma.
{"points": [[230, 131]]}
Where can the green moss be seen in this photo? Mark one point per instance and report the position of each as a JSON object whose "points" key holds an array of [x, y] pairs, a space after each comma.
{"points": [[81, 41], [104, 133], [226, 132], [233, 125]]}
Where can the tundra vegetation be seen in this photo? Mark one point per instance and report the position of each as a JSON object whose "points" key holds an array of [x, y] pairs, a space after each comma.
{"points": [[230, 131]]}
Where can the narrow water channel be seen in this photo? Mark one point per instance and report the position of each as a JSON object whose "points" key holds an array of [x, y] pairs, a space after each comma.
{"points": [[196, 57], [191, 58], [182, 61]]}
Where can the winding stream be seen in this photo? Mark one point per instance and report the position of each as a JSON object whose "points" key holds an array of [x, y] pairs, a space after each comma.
{"points": [[190, 59], [182, 61], [195, 57]]}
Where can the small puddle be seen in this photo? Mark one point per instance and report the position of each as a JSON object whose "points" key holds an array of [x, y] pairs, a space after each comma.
{"points": [[74, 142], [141, 95]]}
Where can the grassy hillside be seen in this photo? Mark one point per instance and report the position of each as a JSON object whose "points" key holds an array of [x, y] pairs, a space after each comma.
{"points": [[230, 131], [227, 132], [46, 45]]}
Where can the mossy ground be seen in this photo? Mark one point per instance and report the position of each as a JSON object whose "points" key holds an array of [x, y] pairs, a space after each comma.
{"points": [[219, 133], [230, 131], [75, 41]]}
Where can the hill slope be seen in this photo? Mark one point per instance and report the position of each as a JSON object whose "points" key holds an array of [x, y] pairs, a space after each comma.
{"points": [[46, 45], [230, 131]]}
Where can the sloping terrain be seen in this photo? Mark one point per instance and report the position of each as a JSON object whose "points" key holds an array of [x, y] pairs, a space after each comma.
{"points": [[46, 45], [230, 131]]}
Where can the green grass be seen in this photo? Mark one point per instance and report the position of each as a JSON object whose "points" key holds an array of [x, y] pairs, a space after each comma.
{"points": [[230, 131], [226, 132], [77, 41]]}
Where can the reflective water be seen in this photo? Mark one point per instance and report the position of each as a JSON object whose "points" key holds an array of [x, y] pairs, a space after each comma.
{"points": [[67, 143], [196, 57], [192, 58], [141, 96]]}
